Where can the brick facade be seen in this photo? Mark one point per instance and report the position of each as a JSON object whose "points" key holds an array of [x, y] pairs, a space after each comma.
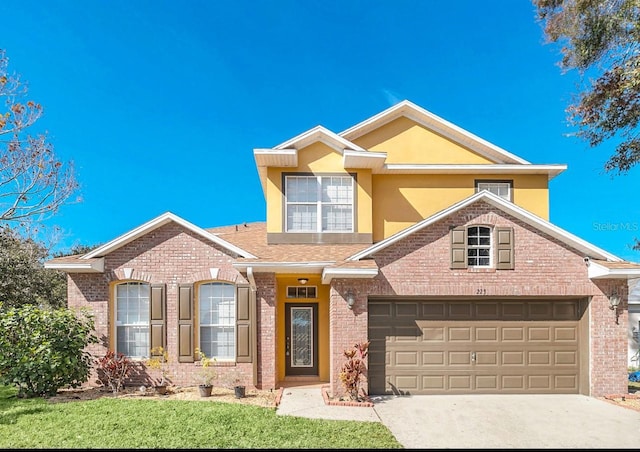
{"points": [[418, 265], [169, 255]]}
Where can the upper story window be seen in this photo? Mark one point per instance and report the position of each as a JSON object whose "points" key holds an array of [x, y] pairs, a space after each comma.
{"points": [[479, 246], [319, 203], [482, 247], [132, 319], [503, 189], [217, 309]]}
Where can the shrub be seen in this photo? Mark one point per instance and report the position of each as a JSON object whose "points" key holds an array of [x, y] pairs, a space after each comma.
{"points": [[353, 370], [206, 375], [113, 369], [159, 361], [43, 350]]}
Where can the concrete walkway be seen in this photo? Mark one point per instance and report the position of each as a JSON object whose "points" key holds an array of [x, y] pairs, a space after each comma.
{"points": [[483, 421]]}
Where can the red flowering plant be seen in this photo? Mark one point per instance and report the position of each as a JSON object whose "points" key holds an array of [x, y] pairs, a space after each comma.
{"points": [[353, 371], [113, 369]]}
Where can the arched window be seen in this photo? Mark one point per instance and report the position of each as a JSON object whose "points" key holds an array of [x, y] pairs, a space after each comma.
{"points": [[132, 319], [217, 318], [478, 246]]}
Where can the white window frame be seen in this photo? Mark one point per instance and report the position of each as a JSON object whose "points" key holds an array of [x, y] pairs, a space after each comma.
{"points": [[229, 322], [318, 203], [495, 186], [479, 247], [124, 325]]}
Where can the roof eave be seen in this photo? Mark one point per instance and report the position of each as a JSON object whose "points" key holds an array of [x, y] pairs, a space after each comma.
{"points": [[351, 273], [95, 265], [282, 267], [597, 271]]}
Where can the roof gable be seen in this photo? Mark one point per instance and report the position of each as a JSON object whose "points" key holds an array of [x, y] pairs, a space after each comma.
{"points": [[156, 223], [508, 207], [436, 124]]}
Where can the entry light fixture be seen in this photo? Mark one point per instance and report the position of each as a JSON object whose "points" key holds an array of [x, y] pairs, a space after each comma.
{"points": [[351, 299], [303, 281], [614, 302]]}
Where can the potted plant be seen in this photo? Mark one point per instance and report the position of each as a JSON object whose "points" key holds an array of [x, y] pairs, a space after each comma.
{"points": [[159, 361], [206, 374], [234, 377]]}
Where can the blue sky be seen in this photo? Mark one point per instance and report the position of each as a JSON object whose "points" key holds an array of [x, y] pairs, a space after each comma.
{"points": [[160, 104]]}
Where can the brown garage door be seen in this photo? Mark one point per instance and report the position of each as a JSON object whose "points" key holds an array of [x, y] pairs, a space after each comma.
{"points": [[483, 347]]}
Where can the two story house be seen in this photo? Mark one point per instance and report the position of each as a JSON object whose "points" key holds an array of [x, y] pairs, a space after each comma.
{"points": [[403, 230]]}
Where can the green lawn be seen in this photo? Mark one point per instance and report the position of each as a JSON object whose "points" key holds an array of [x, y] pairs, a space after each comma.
{"points": [[115, 423]]}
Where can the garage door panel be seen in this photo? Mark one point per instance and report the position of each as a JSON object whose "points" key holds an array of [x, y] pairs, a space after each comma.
{"points": [[565, 310], [434, 310], [381, 310], [406, 358], [462, 333], [460, 310], [406, 310], [487, 358], [541, 333], [513, 358], [540, 310], [565, 358], [513, 310], [511, 334], [432, 334], [407, 382], [434, 383], [433, 358], [569, 382], [565, 334], [486, 382], [541, 358], [539, 382], [509, 346], [513, 382], [460, 383], [487, 310], [486, 334], [459, 358]]}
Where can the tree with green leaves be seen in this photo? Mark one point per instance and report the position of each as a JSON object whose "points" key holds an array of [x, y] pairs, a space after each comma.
{"points": [[601, 40], [23, 278]]}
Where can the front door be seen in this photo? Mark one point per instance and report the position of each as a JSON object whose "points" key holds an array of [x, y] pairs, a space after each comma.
{"points": [[301, 353]]}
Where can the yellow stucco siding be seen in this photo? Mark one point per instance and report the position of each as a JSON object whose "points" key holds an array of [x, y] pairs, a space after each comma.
{"points": [[323, 321], [403, 200], [318, 159], [405, 141]]}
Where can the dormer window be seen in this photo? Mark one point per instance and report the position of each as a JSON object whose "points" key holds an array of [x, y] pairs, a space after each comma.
{"points": [[502, 188], [319, 203]]}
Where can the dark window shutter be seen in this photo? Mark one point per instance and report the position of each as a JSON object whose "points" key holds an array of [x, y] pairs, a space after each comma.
{"points": [[504, 249], [185, 323], [458, 247], [158, 316], [244, 325]]}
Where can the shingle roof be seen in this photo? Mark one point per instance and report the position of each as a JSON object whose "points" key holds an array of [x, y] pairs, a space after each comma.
{"points": [[253, 238]]}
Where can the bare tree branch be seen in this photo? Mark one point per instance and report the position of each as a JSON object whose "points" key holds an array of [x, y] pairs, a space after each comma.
{"points": [[34, 183]]}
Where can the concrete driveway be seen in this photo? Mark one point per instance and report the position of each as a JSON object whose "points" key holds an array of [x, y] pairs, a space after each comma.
{"points": [[508, 421]]}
